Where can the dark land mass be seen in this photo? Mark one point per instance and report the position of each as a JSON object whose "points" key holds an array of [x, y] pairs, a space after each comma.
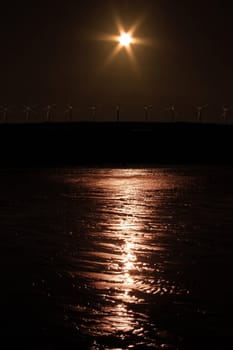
{"points": [[121, 143]]}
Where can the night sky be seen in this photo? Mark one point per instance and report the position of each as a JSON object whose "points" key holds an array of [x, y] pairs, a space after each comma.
{"points": [[50, 52]]}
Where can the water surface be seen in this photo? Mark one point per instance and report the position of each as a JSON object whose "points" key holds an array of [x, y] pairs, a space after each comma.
{"points": [[111, 258]]}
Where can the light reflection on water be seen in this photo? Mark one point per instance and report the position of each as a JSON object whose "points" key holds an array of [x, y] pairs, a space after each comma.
{"points": [[117, 258], [124, 263]]}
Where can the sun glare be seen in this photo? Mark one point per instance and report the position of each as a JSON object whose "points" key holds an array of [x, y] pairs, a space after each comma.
{"points": [[125, 39]]}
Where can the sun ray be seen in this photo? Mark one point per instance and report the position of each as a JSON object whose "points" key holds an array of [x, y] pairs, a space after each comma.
{"points": [[135, 26], [119, 24], [107, 37], [143, 41], [133, 59], [113, 55]]}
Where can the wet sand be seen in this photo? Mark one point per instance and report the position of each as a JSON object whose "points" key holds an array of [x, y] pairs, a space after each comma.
{"points": [[101, 258]]}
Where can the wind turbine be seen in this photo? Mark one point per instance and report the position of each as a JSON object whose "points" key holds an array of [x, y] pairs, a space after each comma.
{"points": [[28, 110], [117, 109], [173, 112], [225, 111], [199, 112], [69, 112], [4, 110], [48, 110], [93, 112], [147, 109]]}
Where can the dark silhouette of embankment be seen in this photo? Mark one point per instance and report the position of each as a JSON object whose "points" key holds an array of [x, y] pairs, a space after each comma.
{"points": [[80, 143]]}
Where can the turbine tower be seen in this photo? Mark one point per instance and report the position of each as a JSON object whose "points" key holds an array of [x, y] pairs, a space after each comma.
{"points": [[93, 112], [225, 113], [147, 109], [28, 112], [173, 113], [69, 112], [5, 111], [200, 112], [48, 112], [118, 113]]}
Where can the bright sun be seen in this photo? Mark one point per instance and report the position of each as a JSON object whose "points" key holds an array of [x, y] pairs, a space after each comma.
{"points": [[125, 39]]}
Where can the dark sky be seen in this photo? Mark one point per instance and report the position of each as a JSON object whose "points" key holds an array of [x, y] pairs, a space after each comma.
{"points": [[48, 52]]}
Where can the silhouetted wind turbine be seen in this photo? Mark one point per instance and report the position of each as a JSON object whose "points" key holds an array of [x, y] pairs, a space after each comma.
{"points": [[69, 112], [28, 111], [147, 109], [49, 109], [225, 111], [173, 112], [118, 113], [5, 110], [199, 112], [93, 112]]}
